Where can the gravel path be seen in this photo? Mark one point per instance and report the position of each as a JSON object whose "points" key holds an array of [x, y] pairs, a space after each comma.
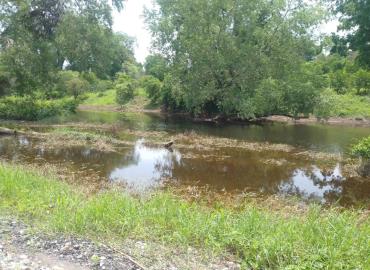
{"points": [[21, 250]]}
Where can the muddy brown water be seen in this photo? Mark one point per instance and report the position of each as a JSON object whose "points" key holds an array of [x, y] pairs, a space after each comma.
{"points": [[142, 167]]}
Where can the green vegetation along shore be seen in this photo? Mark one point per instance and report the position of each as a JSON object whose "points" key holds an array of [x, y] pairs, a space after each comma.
{"points": [[261, 238], [236, 61]]}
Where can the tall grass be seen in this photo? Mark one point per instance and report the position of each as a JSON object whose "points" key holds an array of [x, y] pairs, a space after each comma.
{"points": [[261, 238], [332, 104], [102, 98]]}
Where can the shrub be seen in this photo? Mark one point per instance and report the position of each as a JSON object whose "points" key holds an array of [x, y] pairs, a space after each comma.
{"points": [[124, 92], [326, 104], [329, 104], [152, 87], [125, 88], [362, 148], [76, 87], [70, 83], [340, 81], [27, 108], [362, 82], [5, 81], [103, 85]]}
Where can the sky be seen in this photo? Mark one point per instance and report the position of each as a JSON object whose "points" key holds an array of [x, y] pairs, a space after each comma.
{"points": [[131, 22]]}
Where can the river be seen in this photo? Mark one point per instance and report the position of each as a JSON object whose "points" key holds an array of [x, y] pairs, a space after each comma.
{"points": [[142, 166]]}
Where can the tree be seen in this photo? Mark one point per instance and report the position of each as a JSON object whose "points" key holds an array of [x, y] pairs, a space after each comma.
{"points": [[221, 52], [355, 19], [39, 38], [156, 65]]}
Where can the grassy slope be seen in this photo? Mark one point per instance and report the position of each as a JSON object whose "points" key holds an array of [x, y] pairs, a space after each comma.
{"points": [[139, 103], [352, 106], [318, 239], [106, 98]]}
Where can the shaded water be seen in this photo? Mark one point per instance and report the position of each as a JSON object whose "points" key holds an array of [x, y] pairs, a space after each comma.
{"points": [[269, 172], [328, 138]]}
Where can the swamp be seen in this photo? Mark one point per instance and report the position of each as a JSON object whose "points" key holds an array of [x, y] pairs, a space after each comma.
{"points": [[187, 134]]}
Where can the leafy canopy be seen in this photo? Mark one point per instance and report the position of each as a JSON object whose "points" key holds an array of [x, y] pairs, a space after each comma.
{"points": [[225, 55]]}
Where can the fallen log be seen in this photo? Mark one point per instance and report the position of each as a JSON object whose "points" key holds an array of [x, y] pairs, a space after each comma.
{"points": [[7, 131]]}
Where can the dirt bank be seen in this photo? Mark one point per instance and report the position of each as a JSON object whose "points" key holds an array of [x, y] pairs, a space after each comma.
{"points": [[348, 121], [116, 108]]}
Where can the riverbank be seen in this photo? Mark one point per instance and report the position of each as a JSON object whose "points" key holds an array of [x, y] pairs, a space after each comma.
{"points": [[255, 235], [345, 121]]}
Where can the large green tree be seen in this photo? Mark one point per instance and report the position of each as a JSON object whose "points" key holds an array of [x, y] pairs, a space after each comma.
{"points": [[39, 38], [355, 18], [228, 56]]}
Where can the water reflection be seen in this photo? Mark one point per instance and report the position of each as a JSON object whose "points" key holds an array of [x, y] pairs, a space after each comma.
{"points": [[145, 166], [329, 138], [142, 167], [313, 184]]}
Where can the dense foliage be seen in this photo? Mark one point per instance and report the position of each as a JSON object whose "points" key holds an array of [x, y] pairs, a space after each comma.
{"points": [[38, 39], [55, 49], [362, 148], [29, 108], [242, 59], [230, 57], [125, 87], [153, 87], [355, 19]]}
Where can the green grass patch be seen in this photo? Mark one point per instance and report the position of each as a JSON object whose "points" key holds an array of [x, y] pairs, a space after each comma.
{"points": [[350, 105], [332, 104], [101, 98], [31, 108], [260, 238]]}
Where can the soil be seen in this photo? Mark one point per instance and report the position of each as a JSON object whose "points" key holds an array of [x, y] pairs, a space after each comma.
{"points": [[23, 247], [348, 121]]}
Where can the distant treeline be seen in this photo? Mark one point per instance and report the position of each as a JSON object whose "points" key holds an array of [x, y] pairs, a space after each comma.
{"points": [[255, 58], [229, 58]]}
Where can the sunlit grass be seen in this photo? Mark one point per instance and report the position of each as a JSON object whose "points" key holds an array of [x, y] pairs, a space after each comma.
{"points": [[351, 106], [102, 98], [259, 237]]}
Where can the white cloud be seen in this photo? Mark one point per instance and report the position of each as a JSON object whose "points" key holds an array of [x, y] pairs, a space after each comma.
{"points": [[131, 22]]}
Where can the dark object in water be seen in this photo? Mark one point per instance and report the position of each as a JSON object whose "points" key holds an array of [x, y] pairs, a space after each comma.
{"points": [[6, 131], [168, 145]]}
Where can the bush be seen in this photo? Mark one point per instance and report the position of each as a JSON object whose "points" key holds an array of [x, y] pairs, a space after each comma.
{"points": [[70, 83], [331, 104], [124, 92], [5, 81], [103, 85], [27, 108], [326, 104], [125, 88], [362, 82], [152, 87], [362, 148]]}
